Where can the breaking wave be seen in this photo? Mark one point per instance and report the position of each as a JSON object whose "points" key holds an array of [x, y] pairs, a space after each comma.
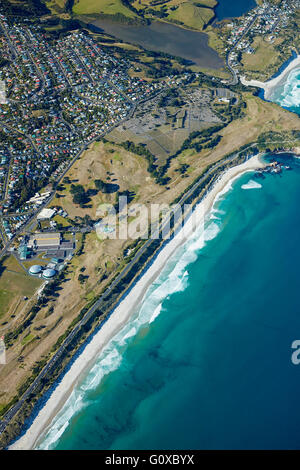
{"points": [[251, 185], [288, 93], [173, 278]]}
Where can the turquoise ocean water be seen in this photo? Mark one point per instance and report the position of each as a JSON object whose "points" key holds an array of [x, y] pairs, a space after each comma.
{"points": [[206, 363], [287, 94]]}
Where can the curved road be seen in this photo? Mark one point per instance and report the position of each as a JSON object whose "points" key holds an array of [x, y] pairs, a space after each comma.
{"points": [[97, 305]]}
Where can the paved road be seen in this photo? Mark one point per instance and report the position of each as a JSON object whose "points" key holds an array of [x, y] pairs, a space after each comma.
{"points": [[97, 305], [235, 78], [47, 201], [54, 360], [7, 173], [84, 147]]}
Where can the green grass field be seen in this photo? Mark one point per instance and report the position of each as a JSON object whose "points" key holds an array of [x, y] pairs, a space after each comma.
{"points": [[37, 260], [14, 285], [12, 264], [208, 3], [264, 56], [108, 7], [191, 15], [60, 3], [61, 220], [57, 7], [27, 339]]}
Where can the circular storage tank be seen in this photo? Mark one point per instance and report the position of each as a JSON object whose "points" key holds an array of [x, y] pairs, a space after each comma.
{"points": [[48, 273], [35, 269]]}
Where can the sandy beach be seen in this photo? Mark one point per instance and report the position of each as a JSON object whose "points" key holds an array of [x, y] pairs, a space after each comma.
{"points": [[271, 84], [124, 311]]}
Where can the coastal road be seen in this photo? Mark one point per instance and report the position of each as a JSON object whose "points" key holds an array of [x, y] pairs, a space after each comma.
{"points": [[235, 78], [97, 305]]}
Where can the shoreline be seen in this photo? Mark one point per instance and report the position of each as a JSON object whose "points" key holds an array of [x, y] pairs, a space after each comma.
{"points": [[125, 311], [271, 84], [182, 47]]}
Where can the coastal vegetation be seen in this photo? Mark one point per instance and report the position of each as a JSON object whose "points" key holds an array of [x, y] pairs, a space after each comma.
{"points": [[187, 13], [108, 7], [14, 286], [73, 342], [104, 164], [25, 8], [79, 194], [157, 165], [265, 55], [265, 47]]}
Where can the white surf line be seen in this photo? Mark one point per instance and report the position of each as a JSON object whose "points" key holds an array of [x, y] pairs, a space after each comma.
{"points": [[124, 312], [271, 84]]}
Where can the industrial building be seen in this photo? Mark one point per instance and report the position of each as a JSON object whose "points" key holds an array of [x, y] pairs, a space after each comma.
{"points": [[44, 241], [35, 269], [51, 246], [46, 214], [24, 252], [48, 273]]}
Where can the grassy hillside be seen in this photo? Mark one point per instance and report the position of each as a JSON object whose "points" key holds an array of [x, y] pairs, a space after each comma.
{"points": [[100, 260], [191, 15], [107, 7]]}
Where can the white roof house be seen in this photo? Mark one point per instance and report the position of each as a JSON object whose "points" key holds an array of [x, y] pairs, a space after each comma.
{"points": [[46, 214]]}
